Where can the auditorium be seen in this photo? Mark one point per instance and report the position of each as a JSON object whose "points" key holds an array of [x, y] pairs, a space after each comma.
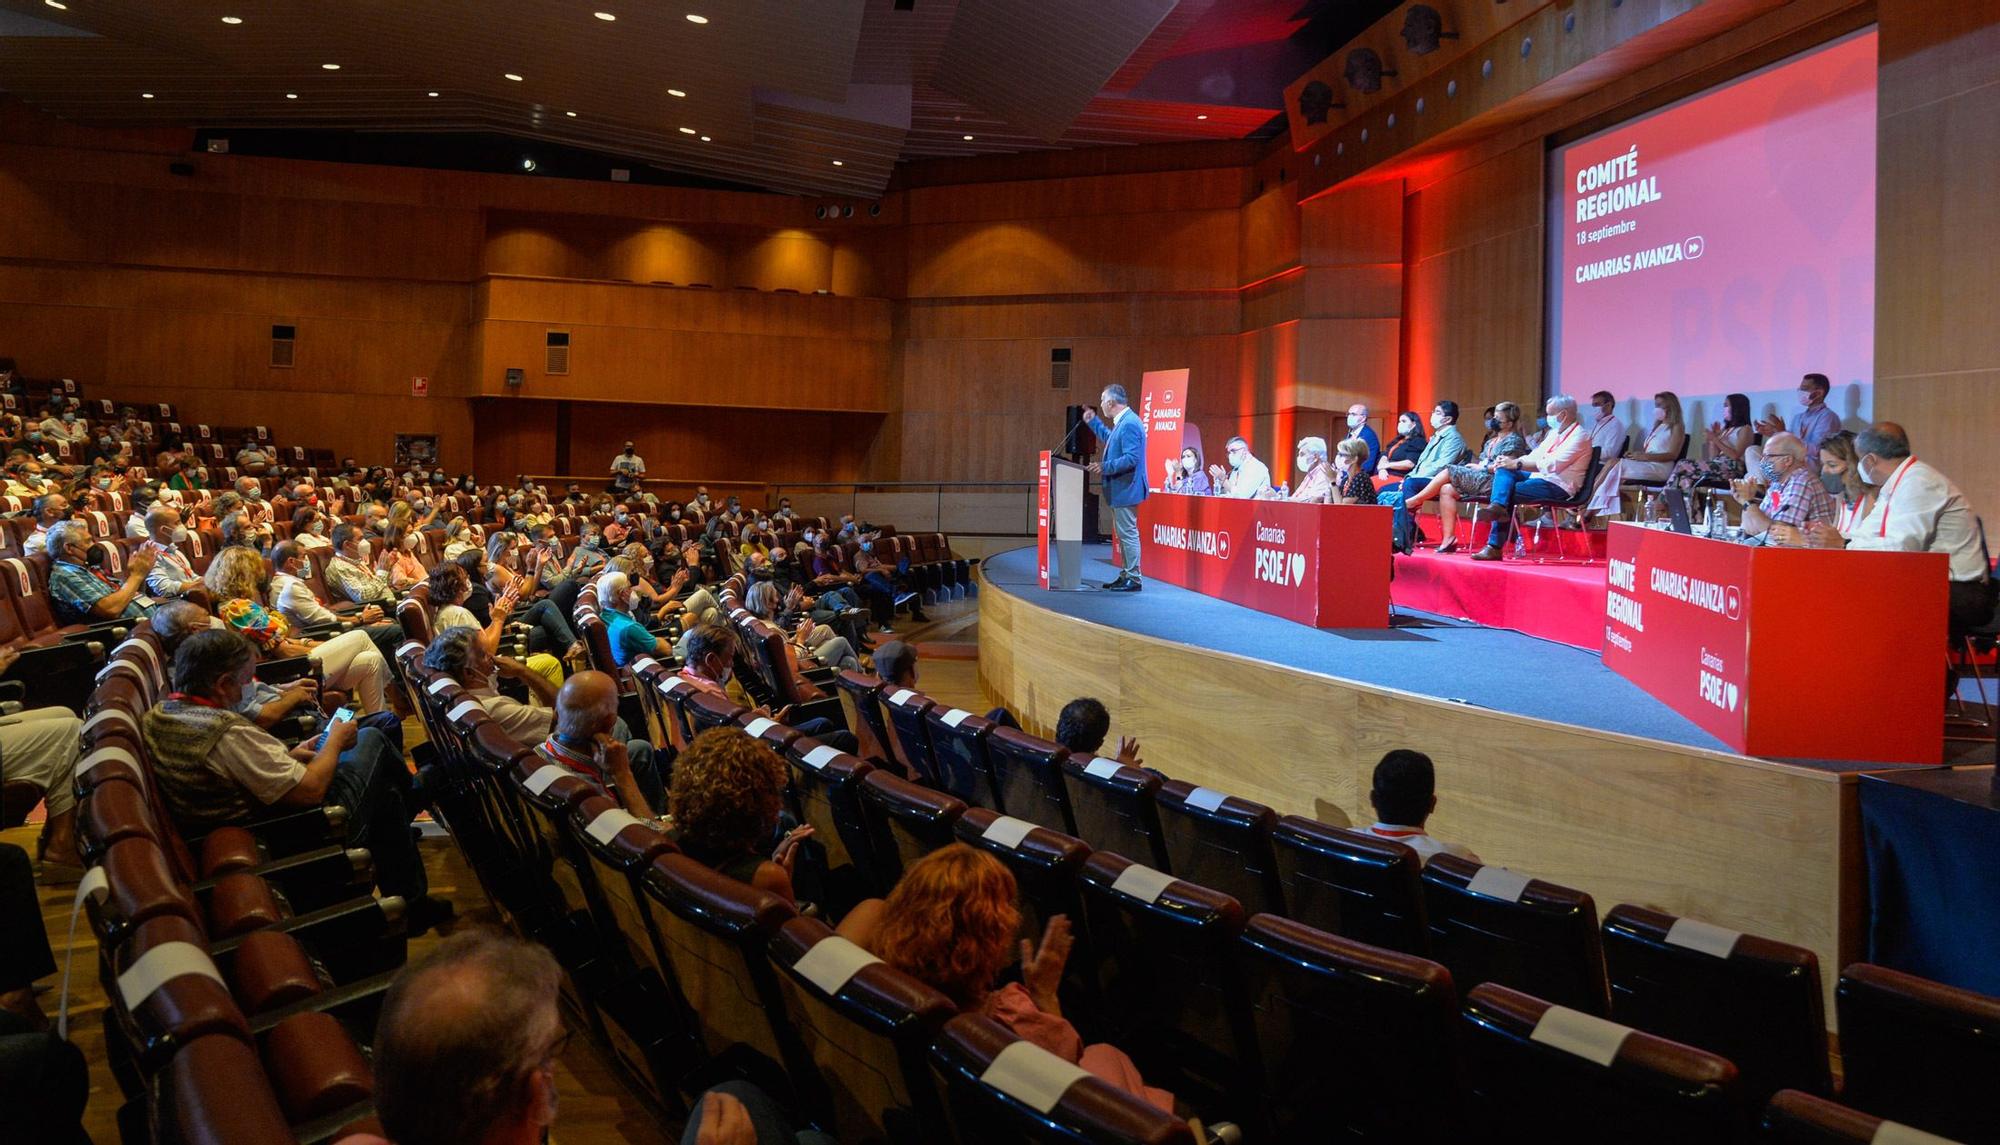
{"points": [[975, 572]]}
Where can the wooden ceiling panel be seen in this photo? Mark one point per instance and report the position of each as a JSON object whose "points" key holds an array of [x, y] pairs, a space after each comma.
{"points": [[1037, 65]]}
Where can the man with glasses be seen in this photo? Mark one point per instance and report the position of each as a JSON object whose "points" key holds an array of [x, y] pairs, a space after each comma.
{"points": [[84, 593], [1246, 476]]}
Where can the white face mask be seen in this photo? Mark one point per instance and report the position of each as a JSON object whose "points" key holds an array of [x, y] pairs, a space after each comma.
{"points": [[409, 541], [366, 550], [180, 534], [1355, 421], [1437, 421], [1861, 471]]}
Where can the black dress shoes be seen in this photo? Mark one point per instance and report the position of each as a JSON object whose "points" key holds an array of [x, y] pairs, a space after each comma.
{"points": [[1122, 586]]}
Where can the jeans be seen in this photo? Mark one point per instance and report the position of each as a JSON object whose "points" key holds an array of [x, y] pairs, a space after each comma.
{"points": [[367, 783], [1406, 518], [550, 632], [771, 1124], [1511, 485], [1125, 522]]}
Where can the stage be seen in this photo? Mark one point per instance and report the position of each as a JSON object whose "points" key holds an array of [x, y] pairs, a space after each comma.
{"points": [[1548, 762]]}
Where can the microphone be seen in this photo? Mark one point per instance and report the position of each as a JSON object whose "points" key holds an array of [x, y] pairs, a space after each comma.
{"points": [[1064, 446]]}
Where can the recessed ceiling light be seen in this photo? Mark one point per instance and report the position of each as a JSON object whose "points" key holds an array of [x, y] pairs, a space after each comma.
{"points": [[706, 139], [676, 93], [330, 67], [605, 16], [696, 19], [687, 131], [291, 95], [838, 163], [968, 139], [58, 5], [145, 95], [431, 94], [511, 76], [1204, 116], [232, 19], [571, 114]]}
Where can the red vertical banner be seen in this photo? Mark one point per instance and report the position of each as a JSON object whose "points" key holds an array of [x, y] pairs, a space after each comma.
{"points": [[1042, 518], [1163, 396]]}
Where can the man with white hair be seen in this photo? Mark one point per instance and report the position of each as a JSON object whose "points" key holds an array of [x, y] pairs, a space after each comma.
{"points": [[1793, 501], [1552, 471], [1123, 471], [173, 574], [1246, 476], [629, 638], [83, 593], [1315, 475]]}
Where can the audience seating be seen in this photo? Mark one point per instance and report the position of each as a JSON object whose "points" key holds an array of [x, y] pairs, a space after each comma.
{"points": [[866, 1029], [1112, 808], [1489, 924], [1539, 1072], [1345, 1039], [1221, 842], [1000, 1090], [910, 734], [840, 858], [863, 695], [1749, 999], [958, 749], [1796, 1118], [1045, 863], [1164, 953], [1917, 1051], [1028, 779], [905, 822], [1352, 884]]}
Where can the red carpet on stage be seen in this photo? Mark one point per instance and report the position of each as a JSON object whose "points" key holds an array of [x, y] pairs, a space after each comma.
{"points": [[1560, 602]]}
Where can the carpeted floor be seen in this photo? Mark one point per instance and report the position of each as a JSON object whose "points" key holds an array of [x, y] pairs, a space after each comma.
{"points": [[1488, 667]]}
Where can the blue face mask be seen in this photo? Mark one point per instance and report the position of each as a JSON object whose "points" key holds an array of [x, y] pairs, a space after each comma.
{"points": [[1769, 471], [868, 546]]}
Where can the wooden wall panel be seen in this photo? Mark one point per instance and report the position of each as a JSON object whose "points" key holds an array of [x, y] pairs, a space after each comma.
{"points": [[1268, 234], [1474, 302], [1937, 256], [1158, 251]]}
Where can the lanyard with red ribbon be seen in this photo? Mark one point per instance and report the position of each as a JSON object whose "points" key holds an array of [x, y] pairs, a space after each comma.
{"points": [[1889, 494]]}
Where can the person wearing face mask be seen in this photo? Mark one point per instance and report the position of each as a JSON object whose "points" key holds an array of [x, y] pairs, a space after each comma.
{"points": [[398, 562], [709, 663], [1840, 473], [1793, 498], [143, 500], [1349, 483], [1245, 478], [1404, 449], [1607, 430], [173, 573], [1359, 430], [309, 528], [1917, 510], [1315, 473], [1552, 471], [60, 424], [349, 575], [1446, 447], [1454, 482], [1814, 422], [1186, 475], [292, 595], [217, 768], [82, 592], [49, 508], [628, 470], [1728, 441], [1656, 455]]}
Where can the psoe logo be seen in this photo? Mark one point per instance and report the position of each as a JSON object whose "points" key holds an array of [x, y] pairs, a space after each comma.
{"points": [[1280, 568], [1722, 693]]}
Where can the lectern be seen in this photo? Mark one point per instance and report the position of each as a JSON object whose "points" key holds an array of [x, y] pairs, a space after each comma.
{"points": [[1059, 523]]}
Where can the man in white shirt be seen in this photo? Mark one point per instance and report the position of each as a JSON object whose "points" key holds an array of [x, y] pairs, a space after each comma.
{"points": [[1917, 510], [1246, 476], [1404, 795], [458, 653], [172, 573], [1608, 434], [49, 508], [1553, 471]]}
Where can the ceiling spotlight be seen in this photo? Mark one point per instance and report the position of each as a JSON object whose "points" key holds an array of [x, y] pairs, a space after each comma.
{"points": [[604, 16], [330, 67], [58, 5], [145, 95], [291, 95], [687, 131], [511, 76], [1202, 116], [527, 162], [232, 19], [836, 162], [431, 94], [695, 19], [571, 114], [706, 139], [968, 139], [676, 93]]}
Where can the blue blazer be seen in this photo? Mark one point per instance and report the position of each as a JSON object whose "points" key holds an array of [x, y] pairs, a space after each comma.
{"points": [[1124, 464], [1367, 434]]}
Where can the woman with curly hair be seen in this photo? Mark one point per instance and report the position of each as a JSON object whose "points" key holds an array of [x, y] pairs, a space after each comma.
{"points": [[237, 583], [953, 921], [727, 792]]}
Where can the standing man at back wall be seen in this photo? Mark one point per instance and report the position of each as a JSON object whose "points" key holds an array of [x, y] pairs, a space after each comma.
{"points": [[1124, 472]]}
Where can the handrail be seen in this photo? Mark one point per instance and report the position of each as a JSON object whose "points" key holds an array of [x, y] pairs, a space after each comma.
{"points": [[855, 490], [596, 482]]}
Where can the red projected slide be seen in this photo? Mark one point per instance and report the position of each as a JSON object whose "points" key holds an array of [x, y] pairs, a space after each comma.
{"points": [[1723, 244]]}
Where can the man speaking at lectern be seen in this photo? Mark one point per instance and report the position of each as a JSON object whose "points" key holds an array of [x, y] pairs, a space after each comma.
{"points": [[1124, 473]]}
